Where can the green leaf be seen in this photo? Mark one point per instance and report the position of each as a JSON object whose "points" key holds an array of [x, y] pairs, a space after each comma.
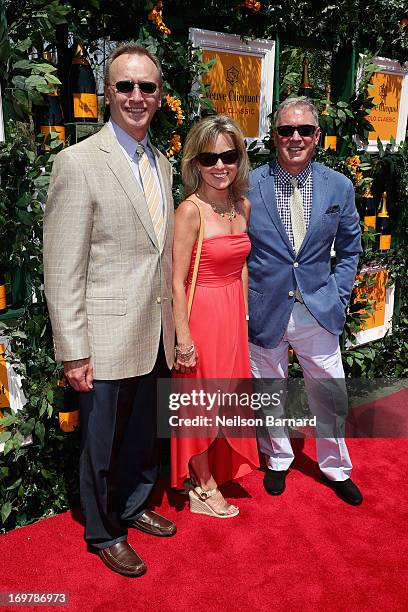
{"points": [[24, 45], [19, 81], [19, 334], [45, 68], [4, 436], [51, 78], [15, 485], [35, 81], [40, 431], [8, 446], [4, 472], [7, 420], [23, 65], [5, 511], [17, 440]]}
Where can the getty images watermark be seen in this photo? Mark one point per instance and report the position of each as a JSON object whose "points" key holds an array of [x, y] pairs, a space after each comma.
{"points": [[203, 408], [352, 408], [218, 401]]}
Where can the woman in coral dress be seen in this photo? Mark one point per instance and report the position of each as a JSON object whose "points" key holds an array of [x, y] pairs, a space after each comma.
{"points": [[213, 343]]}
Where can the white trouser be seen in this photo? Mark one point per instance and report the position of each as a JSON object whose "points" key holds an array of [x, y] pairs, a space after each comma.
{"points": [[319, 355]]}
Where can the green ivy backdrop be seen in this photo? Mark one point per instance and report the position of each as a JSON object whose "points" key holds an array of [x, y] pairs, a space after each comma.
{"points": [[41, 478]]}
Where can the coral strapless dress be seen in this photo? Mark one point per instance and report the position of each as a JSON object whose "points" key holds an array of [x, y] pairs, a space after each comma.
{"points": [[220, 333]]}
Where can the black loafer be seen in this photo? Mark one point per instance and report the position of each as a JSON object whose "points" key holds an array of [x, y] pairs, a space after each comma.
{"points": [[345, 489], [274, 481]]}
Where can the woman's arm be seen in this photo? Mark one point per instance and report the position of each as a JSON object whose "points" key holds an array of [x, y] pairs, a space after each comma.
{"points": [[187, 225], [244, 276]]}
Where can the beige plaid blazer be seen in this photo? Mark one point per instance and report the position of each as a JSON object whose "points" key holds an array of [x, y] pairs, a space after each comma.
{"points": [[107, 283]]}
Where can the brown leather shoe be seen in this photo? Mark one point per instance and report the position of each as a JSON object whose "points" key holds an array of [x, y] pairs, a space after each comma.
{"points": [[121, 558], [154, 524]]}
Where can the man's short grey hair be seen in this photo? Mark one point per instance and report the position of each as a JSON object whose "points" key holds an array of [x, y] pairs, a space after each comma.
{"points": [[301, 102], [131, 49]]}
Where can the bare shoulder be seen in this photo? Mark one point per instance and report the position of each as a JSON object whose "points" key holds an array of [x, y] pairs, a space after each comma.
{"points": [[187, 213], [245, 206]]}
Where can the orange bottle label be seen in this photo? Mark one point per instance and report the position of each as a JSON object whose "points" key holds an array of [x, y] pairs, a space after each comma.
{"points": [[47, 129], [80, 60], [369, 221], [3, 298], [85, 105], [385, 242], [4, 390], [330, 142], [68, 421]]}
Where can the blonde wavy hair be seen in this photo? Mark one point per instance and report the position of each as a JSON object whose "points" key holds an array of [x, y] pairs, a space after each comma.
{"points": [[201, 138]]}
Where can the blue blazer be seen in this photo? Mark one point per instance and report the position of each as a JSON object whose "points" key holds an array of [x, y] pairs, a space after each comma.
{"points": [[274, 268]]}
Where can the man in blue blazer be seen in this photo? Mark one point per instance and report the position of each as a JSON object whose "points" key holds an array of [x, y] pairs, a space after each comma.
{"points": [[296, 297]]}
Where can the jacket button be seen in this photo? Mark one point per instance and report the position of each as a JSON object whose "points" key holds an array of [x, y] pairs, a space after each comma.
{"points": [[296, 264], [291, 293], [158, 300]]}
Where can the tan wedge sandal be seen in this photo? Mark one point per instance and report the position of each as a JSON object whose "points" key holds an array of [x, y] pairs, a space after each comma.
{"points": [[198, 504]]}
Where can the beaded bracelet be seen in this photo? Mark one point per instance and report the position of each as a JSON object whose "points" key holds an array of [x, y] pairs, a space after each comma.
{"points": [[184, 355]]}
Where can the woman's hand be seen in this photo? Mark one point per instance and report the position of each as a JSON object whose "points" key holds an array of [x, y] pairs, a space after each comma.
{"points": [[186, 359]]}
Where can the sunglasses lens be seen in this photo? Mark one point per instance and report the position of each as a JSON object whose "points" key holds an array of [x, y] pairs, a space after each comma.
{"points": [[124, 86], [147, 87], [306, 130], [210, 159], [207, 159], [289, 130], [229, 157], [285, 130]]}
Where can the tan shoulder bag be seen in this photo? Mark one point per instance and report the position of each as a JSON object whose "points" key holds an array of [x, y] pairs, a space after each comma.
{"points": [[197, 259]]}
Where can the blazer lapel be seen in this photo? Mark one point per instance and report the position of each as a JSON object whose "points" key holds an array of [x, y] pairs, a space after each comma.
{"points": [[319, 178], [267, 189], [121, 169], [165, 190]]}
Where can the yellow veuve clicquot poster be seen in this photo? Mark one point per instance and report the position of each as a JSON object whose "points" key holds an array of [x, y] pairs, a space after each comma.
{"points": [[235, 88]]}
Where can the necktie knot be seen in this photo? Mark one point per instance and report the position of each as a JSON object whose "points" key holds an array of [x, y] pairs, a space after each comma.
{"points": [[295, 183], [140, 150]]}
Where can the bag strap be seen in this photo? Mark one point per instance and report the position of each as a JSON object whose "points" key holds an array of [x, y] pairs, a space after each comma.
{"points": [[197, 259]]}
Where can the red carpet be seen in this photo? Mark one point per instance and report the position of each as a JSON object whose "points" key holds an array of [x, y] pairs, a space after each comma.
{"points": [[305, 550], [385, 417]]}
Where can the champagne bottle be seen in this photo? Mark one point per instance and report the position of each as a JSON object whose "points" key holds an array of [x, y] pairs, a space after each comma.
{"points": [[49, 117], [4, 383], [383, 226], [368, 209], [83, 101], [3, 293], [305, 88], [328, 138], [68, 416]]}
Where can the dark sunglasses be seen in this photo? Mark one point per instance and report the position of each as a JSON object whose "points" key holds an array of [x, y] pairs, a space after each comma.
{"points": [[146, 87], [289, 130], [210, 159]]}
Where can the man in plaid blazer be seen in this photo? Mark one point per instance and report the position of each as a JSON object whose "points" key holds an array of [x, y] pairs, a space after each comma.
{"points": [[107, 261]]}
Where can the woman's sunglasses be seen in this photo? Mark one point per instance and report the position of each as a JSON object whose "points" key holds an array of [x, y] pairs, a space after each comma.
{"points": [[210, 159], [289, 130], [146, 87]]}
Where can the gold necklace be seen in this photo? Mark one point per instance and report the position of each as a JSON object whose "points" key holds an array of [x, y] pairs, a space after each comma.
{"points": [[230, 215]]}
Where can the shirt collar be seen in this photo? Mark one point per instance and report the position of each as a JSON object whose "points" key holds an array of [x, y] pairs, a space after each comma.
{"points": [[128, 143], [285, 177]]}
